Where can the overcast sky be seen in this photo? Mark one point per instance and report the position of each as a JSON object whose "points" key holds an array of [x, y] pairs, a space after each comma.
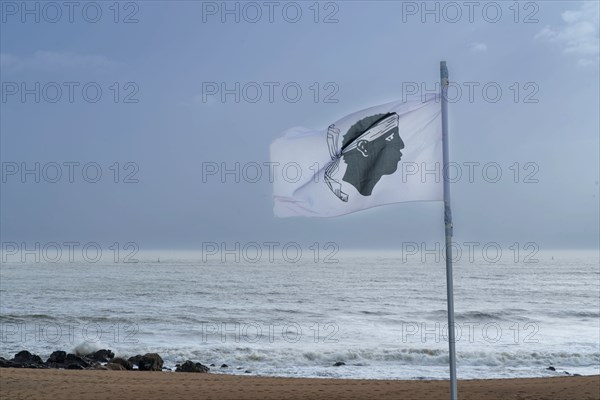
{"points": [[162, 117]]}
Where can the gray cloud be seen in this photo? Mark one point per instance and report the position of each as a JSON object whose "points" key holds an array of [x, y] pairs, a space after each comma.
{"points": [[478, 47], [578, 36]]}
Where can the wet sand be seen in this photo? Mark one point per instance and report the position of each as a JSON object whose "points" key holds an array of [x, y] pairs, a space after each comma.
{"points": [[67, 384]]}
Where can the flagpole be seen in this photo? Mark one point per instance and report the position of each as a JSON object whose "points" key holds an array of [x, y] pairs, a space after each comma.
{"points": [[448, 230]]}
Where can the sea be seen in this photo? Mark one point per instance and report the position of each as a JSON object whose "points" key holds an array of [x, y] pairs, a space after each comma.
{"points": [[356, 315]]}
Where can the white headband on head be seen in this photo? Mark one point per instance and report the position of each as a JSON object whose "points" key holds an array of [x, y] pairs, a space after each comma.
{"points": [[333, 135], [375, 132]]}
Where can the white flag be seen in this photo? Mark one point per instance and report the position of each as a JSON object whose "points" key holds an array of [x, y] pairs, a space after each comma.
{"points": [[385, 154]]}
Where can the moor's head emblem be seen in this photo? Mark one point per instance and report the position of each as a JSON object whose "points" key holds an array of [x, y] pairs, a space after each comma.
{"points": [[370, 149]]}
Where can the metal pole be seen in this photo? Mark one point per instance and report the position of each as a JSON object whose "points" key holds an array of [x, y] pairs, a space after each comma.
{"points": [[448, 230]]}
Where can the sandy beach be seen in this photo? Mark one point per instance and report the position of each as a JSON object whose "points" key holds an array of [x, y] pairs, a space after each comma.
{"points": [[64, 384]]}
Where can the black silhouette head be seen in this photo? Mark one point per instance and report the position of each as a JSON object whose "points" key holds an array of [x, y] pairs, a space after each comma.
{"points": [[371, 149]]}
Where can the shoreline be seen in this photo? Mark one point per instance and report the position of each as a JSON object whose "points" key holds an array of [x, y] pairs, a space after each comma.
{"points": [[89, 384]]}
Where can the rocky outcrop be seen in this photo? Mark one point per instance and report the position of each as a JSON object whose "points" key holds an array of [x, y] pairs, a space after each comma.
{"points": [[101, 356], [190, 366], [150, 362], [60, 359], [121, 361], [28, 360], [23, 359], [94, 361], [115, 367], [57, 357], [73, 361], [135, 360], [98, 367]]}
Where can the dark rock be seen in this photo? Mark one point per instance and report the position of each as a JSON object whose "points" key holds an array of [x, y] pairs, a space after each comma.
{"points": [[212, 365], [566, 373], [339, 364], [135, 360], [247, 371], [72, 359], [576, 375], [74, 366], [98, 367], [224, 366], [125, 363], [190, 366], [150, 362], [4, 363], [57, 357], [551, 368], [25, 358], [115, 367], [101, 355]]}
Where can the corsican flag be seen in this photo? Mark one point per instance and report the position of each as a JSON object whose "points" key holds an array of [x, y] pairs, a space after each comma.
{"points": [[385, 154]]}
